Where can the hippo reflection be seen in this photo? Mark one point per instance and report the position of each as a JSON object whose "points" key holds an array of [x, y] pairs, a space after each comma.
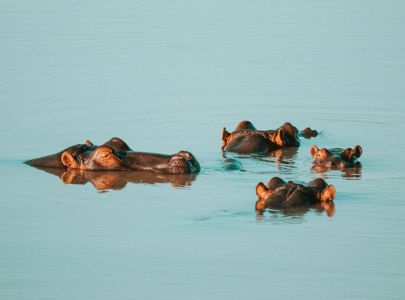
{"points": [[297, 211], [116, 155], [294, 198], [246, 139], [106, 180], [337, 159]]}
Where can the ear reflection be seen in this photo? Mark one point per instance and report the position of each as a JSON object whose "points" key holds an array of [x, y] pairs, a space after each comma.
{"points": [[297, 211], [116, 180], [284, 155], [349, 173]]}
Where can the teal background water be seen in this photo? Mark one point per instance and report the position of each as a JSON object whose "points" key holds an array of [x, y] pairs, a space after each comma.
{"points": [[168, 75]]}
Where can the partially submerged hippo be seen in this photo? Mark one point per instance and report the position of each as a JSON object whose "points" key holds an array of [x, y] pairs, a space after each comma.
{"points": [[246, 139], [116, 155], [281, 195], [336, 158]]}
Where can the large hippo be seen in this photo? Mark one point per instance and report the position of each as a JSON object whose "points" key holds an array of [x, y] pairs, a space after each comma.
{"points": [[280, 195], [336, 158], [116, 155], [246, 139]]}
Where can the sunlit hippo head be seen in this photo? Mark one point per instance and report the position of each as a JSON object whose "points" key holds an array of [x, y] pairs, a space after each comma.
{"points": [[115, 155], [336, 158], [280, 195], [246, 139]]}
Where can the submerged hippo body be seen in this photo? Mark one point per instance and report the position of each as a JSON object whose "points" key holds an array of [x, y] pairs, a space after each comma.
{"points": [[246, 139], [280, 195], [115, 155], [336, 158]]}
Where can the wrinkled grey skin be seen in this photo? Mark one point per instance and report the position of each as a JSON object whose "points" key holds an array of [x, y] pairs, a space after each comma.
{"points": [[120, 157]]}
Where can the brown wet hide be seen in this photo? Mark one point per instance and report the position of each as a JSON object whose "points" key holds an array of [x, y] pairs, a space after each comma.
{"points": [[280, 195]]}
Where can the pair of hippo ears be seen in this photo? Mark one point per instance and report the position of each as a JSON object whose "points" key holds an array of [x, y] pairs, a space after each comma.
{"points": [[348, 152], [324, 195]]}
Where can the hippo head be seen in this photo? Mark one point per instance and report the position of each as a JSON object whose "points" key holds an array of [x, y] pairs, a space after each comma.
{"points": [[337, 157], [115, 155], [106, 158], [321, 190], [183, 160], [286, 136], [94, 158]]}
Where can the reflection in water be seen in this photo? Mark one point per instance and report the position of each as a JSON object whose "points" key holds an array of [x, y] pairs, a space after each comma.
{"points": [[297, 211], [279, 156], [349, 173], [116, 180], [282, 158]]}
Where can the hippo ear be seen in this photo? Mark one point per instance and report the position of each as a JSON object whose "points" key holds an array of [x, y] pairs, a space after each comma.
{"points": [[225, 135], [329, 207], [89, 143], [290, 129], [358, 150], [261, 190], [329, 193], [68, 176], [314, 150], [68, 160], [280, 137]]}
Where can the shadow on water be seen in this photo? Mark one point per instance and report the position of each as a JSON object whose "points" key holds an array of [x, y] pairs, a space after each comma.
{"points": [[117, 180]]}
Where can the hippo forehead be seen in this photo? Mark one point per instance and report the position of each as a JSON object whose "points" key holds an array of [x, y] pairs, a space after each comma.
{"points": [[338, 154], [80, 149], [83, 152]]}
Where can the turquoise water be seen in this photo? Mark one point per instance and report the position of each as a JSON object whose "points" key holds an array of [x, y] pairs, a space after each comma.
{"points": [[169, 75]]}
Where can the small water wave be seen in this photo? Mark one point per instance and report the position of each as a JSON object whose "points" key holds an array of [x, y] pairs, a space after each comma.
{"points": [[223, 214]]}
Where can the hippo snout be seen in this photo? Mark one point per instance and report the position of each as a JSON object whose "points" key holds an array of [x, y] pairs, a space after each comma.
{"points": [[189, 161]]}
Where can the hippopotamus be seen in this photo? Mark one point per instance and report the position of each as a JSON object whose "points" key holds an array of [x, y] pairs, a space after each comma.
{"points": [[336, 158], [246, 139], [281, 195], [116, 155]]}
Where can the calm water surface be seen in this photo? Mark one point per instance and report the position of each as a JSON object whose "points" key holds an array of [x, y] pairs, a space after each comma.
{"points": [[167, 76]]}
